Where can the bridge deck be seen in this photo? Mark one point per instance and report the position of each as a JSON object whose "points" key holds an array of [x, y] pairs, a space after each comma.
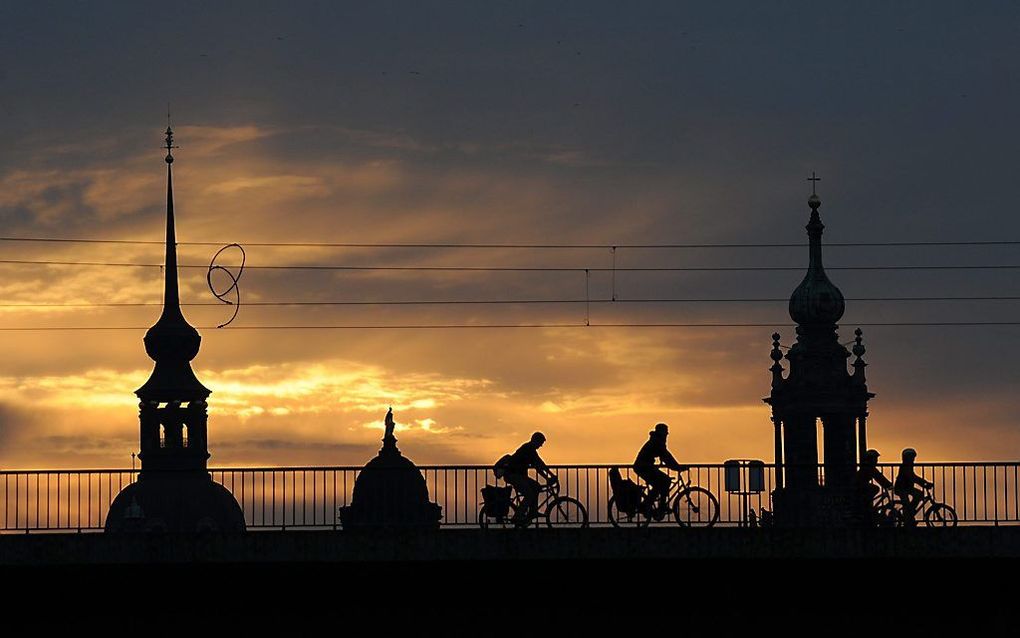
{"points": [[276, 547]]}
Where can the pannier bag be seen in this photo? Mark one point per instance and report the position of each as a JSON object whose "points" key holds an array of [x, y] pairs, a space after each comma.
{"points": [[627, 493], [496, 500]]}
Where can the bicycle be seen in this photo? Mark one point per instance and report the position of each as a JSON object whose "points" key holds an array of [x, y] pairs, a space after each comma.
{"points": [[555, 510], [691, 505], [890, 511]]}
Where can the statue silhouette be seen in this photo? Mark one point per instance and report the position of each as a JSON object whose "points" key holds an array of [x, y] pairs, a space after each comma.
{"points": [[390, 425]]}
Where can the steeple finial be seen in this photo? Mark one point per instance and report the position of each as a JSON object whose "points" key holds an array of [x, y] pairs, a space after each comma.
{"points": [[169, 138], [814, 201]]}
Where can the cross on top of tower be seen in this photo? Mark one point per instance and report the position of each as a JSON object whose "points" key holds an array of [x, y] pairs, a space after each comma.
{"points": [[814, 202], [813, 179]]}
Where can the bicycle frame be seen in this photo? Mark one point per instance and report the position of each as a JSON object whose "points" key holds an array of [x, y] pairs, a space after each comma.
{"points": [[676, 488], [888, 499], [547, 493]]}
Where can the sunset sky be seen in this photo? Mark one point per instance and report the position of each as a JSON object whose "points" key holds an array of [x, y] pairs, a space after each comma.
{"points": [[502, 123]]}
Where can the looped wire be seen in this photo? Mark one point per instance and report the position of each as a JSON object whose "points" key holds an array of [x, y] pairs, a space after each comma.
{"points": [[213, 266]]}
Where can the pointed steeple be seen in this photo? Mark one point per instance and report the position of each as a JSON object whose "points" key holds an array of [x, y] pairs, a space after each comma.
{"points": [[171, 294], [171, 342]]}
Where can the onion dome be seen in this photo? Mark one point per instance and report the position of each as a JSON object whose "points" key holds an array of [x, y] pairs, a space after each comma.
{"points": [[816, 301]]}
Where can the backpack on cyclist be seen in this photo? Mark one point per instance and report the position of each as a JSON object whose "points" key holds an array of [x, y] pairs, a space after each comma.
{"points": [[496, 500], [627, 493], [501, 466]]}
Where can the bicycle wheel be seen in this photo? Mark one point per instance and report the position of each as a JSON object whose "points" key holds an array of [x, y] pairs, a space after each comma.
{"points": [[566, 512], [940, 515], [623, 519], [495, 522], [696, 507], [889, 515]]}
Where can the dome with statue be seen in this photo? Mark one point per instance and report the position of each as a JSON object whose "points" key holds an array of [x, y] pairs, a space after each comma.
{"points": [[390, 492]]}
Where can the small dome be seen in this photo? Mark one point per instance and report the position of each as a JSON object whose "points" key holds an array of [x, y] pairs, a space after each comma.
{"points": [[816, 300], [390, 492], [175, 504]]}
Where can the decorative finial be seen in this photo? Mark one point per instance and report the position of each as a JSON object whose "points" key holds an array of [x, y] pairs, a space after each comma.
{"points": [[776, 355], [859, 351], [814, 201], [169, 137]]}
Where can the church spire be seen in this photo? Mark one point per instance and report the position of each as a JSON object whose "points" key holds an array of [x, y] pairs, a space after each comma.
{"points": [[172, 342], [171, 294]]}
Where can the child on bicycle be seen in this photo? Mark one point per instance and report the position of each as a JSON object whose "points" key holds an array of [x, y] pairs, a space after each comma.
{"points": [[905, 486], [645, 467], [867, 477]]}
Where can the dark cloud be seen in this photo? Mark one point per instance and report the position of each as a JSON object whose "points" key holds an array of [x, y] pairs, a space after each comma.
{"points": [[596, 123]]}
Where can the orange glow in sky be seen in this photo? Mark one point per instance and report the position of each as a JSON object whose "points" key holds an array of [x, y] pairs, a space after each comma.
{"points": [[607, 126]]}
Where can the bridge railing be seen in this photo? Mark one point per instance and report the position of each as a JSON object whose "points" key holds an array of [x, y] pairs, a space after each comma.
{"points": [[309, 497]]}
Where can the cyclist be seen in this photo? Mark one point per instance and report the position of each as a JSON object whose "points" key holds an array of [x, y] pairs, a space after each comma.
{"points": [[906, 480], [516, 475], [867, 476], [645, 466]]}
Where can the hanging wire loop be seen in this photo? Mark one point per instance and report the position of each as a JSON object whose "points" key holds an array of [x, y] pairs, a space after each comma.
{"points": [[234, 279]]}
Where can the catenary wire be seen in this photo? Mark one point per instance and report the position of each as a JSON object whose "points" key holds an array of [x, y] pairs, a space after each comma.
{"points": [[778, 324], [518, 268], [514, 246], [441, 302]]}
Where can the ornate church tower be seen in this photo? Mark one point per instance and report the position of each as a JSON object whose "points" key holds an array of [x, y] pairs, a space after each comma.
{"points": [[819, 389], [174, 491]]}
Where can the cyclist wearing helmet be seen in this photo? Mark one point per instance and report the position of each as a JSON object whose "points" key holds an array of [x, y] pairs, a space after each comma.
{"points": [[906, 480], [645, 466], [516, 475], [867, 476]]}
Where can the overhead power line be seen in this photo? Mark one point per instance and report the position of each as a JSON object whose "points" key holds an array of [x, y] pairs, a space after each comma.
{"points": [[911, 324], [508, 245], [573, 269], [442, 302]]}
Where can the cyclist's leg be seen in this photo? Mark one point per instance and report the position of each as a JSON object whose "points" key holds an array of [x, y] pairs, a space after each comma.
{"points": [[516, 481], [866, 503], [659, 483], [648, 475], [910, 497], [530, 491], [663, 483]]}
